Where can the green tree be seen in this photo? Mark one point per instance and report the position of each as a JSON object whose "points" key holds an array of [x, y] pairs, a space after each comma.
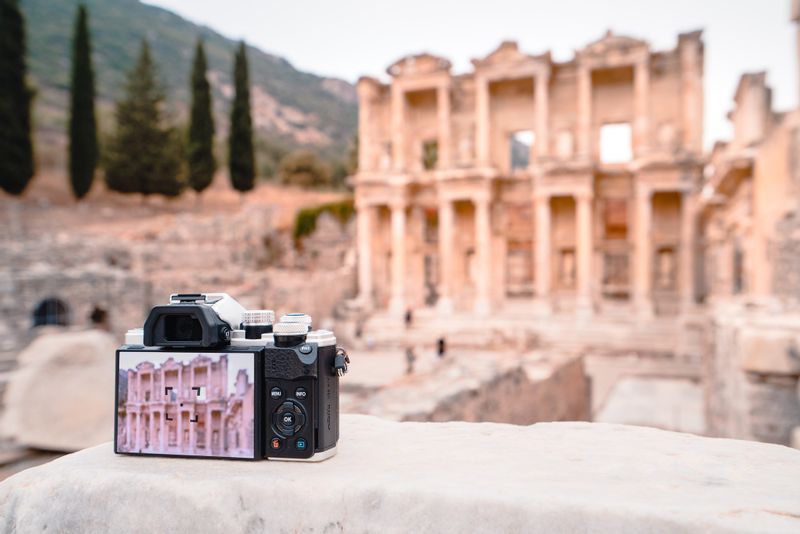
{"points": [[16, 146], [241, 158], [144, 155], [305, 169], [82, 123], [201, 126]]}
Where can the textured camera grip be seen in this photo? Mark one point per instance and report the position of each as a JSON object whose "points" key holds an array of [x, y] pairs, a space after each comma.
{"points": [[285, 364]]}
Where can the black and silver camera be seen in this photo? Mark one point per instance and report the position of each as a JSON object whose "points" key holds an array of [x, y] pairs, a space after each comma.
{"points": [[207, 378]]}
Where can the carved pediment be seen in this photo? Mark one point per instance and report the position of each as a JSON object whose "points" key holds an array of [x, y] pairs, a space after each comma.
{"points": [[418, 64], [612, 43], [507, 53]]}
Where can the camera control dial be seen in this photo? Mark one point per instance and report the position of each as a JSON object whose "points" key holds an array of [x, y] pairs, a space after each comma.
{"points": [[289, 329], [289, 418]]}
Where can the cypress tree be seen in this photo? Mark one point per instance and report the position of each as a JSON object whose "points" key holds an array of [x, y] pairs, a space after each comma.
{"points": [[82, 123], [16, 146], [241, 160], [144, 156], [201, 127]]}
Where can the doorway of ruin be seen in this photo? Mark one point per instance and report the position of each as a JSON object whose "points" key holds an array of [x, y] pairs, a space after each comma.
{"points": [[51, 311]]}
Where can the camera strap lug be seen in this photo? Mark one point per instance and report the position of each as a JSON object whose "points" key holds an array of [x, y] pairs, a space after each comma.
{"points": [[341, 362]]}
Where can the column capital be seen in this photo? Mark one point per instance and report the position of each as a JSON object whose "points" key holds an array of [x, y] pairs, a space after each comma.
{"points": [[583, 195], [364, 203], [643, 191], [482, 197], [399, 197]]}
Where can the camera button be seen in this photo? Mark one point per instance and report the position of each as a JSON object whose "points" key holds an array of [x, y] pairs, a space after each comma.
{"points": [[300, 444], [300, 393], [287, 419], [276, 443], [276, 393], [306, 349]]}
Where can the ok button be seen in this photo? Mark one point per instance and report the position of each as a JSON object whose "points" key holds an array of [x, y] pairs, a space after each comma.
{"points": [[287, 419]]}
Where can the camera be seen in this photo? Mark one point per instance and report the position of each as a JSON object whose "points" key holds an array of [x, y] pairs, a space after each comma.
{"points": [[207, 378]]}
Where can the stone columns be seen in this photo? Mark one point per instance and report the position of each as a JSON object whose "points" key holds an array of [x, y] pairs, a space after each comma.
{"points": [[139, 431], [179, 440], [584, 250], [192, 428], [365, 95], [398, 111], [151, 424], [364, 216], [641, 106], [164, 428], [443, 116], [482, 121], [128, 435], [208, 429], [398, 223], [584, 112], [691, 56], [446, 215], [686, 277], [541, 97], [643, 270], [541, 210], [483, 247]]}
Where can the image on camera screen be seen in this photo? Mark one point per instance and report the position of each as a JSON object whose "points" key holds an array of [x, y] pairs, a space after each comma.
{"points": [[186, 403]]}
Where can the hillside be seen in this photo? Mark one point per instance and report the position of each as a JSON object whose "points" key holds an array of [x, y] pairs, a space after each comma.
{"points": [[290, 107]]}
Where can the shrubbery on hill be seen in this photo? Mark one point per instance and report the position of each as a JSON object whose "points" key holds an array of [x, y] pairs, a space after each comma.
{"points": [[306, 220], [305, 169]]}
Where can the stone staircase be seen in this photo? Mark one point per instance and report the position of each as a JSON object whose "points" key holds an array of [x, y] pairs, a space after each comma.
{"points": [[524, 329]]}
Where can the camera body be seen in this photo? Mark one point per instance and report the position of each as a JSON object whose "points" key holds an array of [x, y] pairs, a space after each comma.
{"points": [[207, 378]]}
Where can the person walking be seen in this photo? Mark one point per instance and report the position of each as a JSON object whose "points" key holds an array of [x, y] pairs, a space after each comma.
{"points": [[409, 318], [410, 359], [441, 347]]}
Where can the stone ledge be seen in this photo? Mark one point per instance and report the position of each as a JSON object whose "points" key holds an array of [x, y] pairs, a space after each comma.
{"points": [[439, 477]]}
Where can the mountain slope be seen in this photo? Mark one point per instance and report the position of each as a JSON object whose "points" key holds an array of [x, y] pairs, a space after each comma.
{"points": [[294, 107]]}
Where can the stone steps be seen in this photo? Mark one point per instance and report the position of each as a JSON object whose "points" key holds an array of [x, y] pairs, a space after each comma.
{"points": [[569, 333]]}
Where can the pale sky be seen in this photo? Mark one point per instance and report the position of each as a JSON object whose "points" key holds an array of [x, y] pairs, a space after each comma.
{"points": [[350, 38]]}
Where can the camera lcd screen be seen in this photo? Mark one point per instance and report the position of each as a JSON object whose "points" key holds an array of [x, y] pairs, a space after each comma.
{"points": [[186, 404]]}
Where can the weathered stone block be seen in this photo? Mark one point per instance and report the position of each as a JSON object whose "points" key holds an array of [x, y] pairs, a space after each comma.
{"points": [[768, 352], [61, 396], [428, 477]]}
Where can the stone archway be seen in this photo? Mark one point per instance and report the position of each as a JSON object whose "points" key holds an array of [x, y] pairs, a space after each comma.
{"points": [[51, 311]]}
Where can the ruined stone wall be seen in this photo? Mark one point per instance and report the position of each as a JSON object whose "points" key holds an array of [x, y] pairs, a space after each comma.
{"points": [[511, 110], [83, 275], [665, 88], [563, 116], [776, 207], [241, 253], [513, 397], [753, 372]]}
